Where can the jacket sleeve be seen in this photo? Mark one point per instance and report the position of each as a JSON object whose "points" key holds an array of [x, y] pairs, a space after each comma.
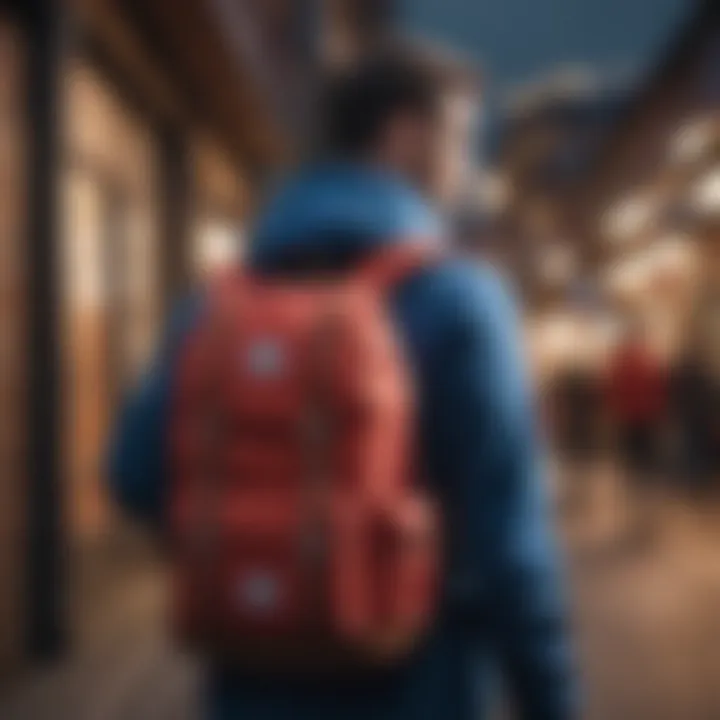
{"points": [[137, 463], [506, 567]]}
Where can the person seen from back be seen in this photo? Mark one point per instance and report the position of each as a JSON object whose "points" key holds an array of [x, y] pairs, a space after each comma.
{"points": [[398, 134]]}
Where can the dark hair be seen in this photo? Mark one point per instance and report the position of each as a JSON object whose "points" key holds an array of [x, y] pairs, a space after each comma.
{"points": [[359, 101]]}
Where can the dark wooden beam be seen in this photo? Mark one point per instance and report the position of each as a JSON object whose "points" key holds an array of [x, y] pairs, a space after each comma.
{"points": [[103, 32], [177, 198], [225, 93], [46, 568]]}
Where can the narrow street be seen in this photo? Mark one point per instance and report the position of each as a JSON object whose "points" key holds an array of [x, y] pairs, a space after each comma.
{"points": [[647, 629], [572, 146]]}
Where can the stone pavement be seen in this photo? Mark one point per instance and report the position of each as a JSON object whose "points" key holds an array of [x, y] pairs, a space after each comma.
{"points": [[647, 626], [648, 621], [123, 666]]}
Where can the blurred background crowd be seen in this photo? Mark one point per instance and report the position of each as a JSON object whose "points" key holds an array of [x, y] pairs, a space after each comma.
{"points": [[136, 138]]}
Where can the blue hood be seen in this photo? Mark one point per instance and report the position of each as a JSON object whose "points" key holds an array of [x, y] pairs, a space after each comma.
{"points": [[358, 207]]}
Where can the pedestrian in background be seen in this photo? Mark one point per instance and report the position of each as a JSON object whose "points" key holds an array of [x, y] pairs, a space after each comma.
{"points": [[636, 398], [576, 402], [692, 411]]}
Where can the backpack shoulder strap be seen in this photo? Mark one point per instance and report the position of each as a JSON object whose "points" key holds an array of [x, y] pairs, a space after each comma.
{"points": [[224, 286], [388, 267]]}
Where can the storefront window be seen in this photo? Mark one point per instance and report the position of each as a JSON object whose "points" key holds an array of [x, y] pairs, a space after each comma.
{"points": [[110, 277]]}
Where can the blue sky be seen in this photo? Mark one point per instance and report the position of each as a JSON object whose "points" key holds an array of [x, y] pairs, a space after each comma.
{"points": [[522, 41]]}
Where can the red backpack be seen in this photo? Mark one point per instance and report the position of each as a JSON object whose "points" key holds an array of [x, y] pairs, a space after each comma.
{"points": [[302, 539]]}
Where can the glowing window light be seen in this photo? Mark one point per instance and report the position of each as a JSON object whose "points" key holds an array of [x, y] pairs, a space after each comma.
{"points": [[628, 217], [692, 139], [491, 190], [705, 194], [557, 264], [217, 245], [631, 275], [675, 250], [556, 335]]}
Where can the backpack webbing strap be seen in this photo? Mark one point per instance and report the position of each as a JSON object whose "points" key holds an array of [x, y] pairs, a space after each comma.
{"points": [[224, 305], [390, 266]]}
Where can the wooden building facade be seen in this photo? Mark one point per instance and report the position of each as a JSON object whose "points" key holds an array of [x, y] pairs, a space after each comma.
{"points": [[133, 139]]}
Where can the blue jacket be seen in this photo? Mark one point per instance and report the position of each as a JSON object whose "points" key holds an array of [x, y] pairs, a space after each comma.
{"points": [[504, 617]]}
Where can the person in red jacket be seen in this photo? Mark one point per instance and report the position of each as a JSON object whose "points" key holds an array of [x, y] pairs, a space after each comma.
{"points": [[636, 398]]}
